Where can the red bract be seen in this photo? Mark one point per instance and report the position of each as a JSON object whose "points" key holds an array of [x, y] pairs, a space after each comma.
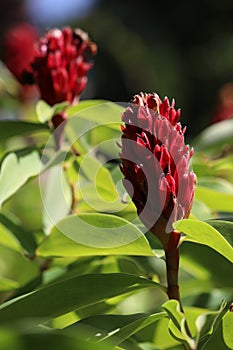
{"points": [[60, 64], [156, 163], [18, 48]]}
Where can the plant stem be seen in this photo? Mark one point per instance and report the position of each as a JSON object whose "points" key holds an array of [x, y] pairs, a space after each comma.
{"points": [[172, 253], [172, 263]]}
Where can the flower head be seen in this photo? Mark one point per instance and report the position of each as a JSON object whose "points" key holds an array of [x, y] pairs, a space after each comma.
{"points": [[18, 48], [156, 163], [60, 66]]}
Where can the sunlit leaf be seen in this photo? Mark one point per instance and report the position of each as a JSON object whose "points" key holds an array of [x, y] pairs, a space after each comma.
{"points": [[215, 136], [10, 128], [68, 295], [114, 329], [203, 233], [94, 234], [16, 169], [44, 111], [215, 200], [16, 235], [16, 268]]}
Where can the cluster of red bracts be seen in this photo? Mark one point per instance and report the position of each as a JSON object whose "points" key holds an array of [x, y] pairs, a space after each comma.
{"points": [[18, 43], [60, 65], [156, 162]]}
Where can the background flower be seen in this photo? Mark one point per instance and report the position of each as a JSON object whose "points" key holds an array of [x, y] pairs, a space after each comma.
{"points": [[60, 64]]}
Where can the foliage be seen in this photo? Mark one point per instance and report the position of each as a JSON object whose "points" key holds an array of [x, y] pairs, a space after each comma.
{"points": [[77, 267]]}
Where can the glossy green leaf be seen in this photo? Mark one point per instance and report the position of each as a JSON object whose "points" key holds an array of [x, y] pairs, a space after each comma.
{"points": [[10, 128], [178, 323], [201, 211], [68, 295], [215, 136], [114, 329], [56, 196], [224, 227], [100, 178], [206, 322], [94, 234], [46, 339], [8, 81], [99, 111], [44, 111], [16, 169], [157, 336], [215, 200], [72, 110], [222, 338], [7, 284], [15, 267], [205, 276], [203, 233], [215, 183], [15, 234]]}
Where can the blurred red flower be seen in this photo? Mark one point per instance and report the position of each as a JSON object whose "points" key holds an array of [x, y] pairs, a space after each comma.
{"points": [[18, 45], [60, 65]]}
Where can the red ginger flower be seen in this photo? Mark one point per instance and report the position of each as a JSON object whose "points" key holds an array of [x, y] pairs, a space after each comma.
{"points": [[18, 44], [60, 64], [156, 163]]}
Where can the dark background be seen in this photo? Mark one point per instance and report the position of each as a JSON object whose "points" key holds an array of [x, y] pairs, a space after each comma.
{"points": [[182, 49]]}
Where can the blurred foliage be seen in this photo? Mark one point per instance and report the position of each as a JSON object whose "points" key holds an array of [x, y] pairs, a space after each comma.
{"points": [[183, 50], [71, 276]]}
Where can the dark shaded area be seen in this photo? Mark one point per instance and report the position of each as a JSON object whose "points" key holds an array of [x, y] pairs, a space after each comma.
{"points": [[179, 49]]}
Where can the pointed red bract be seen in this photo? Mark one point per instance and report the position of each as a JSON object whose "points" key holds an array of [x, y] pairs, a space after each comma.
{"points": [[156, 162], [60, 65]]}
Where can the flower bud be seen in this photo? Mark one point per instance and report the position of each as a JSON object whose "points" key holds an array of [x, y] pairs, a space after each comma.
{"points": [[60, 66], [156, 163]]}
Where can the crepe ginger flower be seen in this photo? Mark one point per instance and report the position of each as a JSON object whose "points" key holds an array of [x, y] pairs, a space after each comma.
{"points": [[18, 45], [156, 163], [60, 65]]}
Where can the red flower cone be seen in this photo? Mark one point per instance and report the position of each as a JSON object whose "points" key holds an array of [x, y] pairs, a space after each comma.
{"points": [[156, 163], [18, 45], [60, 66]]}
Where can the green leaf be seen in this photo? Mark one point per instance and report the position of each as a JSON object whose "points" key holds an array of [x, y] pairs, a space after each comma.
{"points": [[94, 234], [206, 322], [16, 169], [215, 183], [201, 211], [211, 277], [224, 227], [215, 200], [18, 234], [7, 284], [44, 111], [56, 195], [203, 233], [114, 329], [157, 336], [99, 176], [45, 338], [15, 267], [96, 188], [222, 338], [215, 136], [97, 111], [68, 295], [10, 128], [177, 323]]}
